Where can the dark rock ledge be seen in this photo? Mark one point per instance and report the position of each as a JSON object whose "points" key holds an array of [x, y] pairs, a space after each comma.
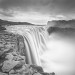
{"points": [[12, 57]]}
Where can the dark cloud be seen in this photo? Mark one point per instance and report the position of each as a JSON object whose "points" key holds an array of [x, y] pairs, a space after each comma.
{"points": [[9, 4], [6, 13], [66, 7]]}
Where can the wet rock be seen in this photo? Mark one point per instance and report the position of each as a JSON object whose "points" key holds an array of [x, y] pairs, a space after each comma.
{"points": [[52, 73], [9, 56], [6, 42], [44, 73], [15, 62], [2, 28], [19, 65], [37, 74], [12, 72], [18, 57], [37, 68], [20, 71], [8, 65], [3, 73]]}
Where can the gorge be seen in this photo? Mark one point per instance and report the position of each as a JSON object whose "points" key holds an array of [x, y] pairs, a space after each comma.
{"points": [[52, 48]]}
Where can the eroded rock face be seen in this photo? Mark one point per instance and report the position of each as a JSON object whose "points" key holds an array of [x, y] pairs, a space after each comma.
{"points": [[13, 59], [10, 57]]}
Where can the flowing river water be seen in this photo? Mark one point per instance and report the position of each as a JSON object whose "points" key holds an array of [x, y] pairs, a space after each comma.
{"points": [[55, 52]]}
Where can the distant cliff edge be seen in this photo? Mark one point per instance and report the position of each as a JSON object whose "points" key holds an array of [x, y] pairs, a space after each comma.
{"points": [[5, 22], [62, 23]]}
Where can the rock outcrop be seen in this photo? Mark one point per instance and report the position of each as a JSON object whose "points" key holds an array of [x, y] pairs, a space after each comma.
{"points": [[62, 23]]}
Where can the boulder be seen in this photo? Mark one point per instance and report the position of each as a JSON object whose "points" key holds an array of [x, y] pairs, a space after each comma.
{"points": [[8, 65], [3, 73]]}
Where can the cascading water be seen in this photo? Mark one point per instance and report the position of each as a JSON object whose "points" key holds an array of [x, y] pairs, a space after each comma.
{"points": [[35, 38], [54, 52]]}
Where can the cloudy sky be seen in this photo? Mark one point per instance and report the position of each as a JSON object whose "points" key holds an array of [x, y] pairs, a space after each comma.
{"points": [[37, 11]]}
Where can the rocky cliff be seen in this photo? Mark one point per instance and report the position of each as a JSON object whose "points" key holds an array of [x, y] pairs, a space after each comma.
{"points": [[62, 23]]}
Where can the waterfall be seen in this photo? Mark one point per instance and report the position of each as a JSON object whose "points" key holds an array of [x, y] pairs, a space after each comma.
{"points": [[35, 38], [55, 51]]}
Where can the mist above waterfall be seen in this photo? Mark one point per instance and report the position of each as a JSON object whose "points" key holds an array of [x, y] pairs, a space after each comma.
{"points": [[60, 54]]}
